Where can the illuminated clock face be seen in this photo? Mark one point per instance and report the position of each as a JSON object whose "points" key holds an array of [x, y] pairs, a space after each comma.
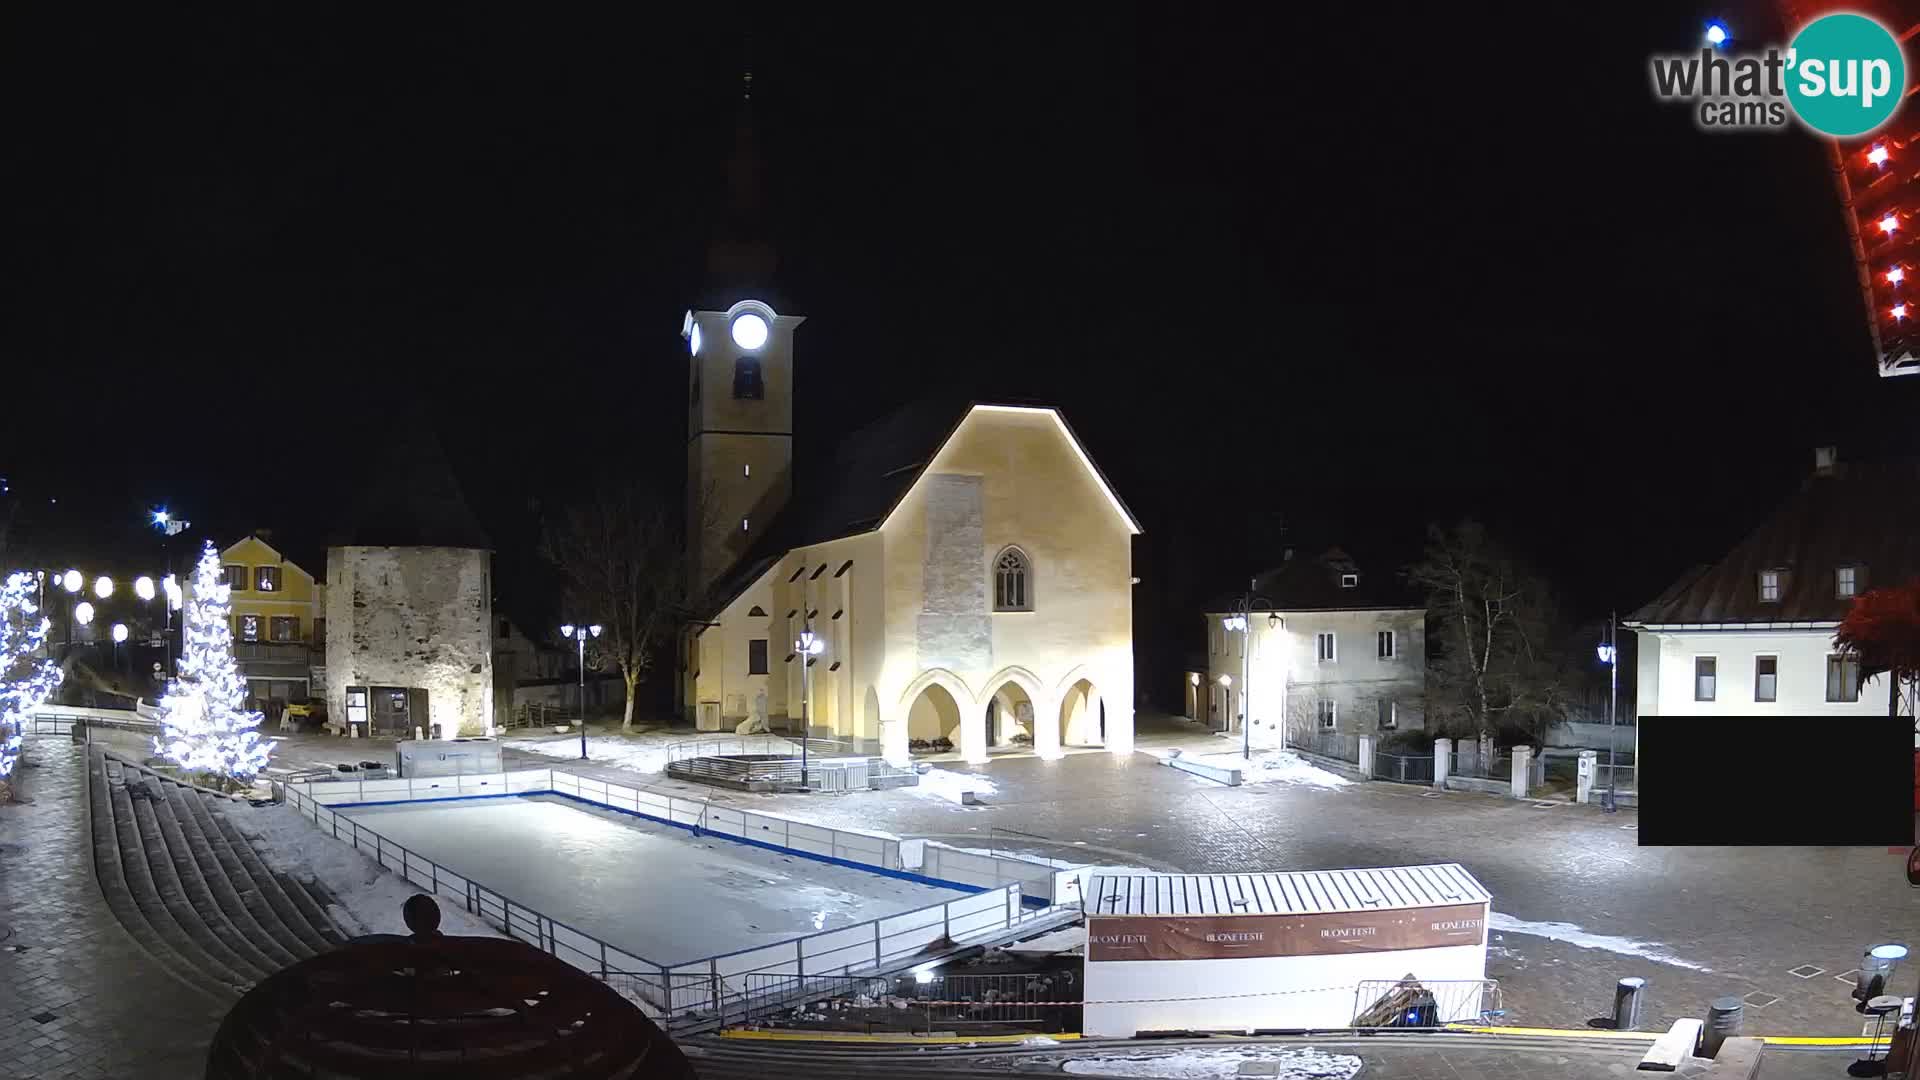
{"points": [[693, 339], [749, 331]]}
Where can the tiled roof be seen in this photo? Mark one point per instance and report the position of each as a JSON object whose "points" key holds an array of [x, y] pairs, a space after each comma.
{"points": [[408, 497], [1313, 583], [1859, 514]]}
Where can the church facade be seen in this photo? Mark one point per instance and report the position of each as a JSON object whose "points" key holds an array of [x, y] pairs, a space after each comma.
{"points": [[965, 568]]}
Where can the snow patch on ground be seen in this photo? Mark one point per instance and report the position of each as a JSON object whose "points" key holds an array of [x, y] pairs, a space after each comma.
{"points": [[948, 786], [1039, 1040], [1267, 767], [369, 895], [1070, 882], [643, 751], [1302, 1064], [1574, 935]]}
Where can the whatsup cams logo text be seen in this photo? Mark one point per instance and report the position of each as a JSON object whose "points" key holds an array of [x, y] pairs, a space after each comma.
{"points": [[1842, 75]]}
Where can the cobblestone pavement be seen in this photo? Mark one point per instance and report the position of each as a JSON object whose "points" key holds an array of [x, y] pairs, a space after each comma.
{"points": [[1741, 917], [77, 997]]}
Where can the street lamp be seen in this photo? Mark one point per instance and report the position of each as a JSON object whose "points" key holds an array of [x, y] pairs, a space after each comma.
{"points": [[1242, 620], [809, 646], [71, 581], [83, 613], [143, 587], [581, 634], [170, 527], [1610, 655], [119, 639], [103, 586]]}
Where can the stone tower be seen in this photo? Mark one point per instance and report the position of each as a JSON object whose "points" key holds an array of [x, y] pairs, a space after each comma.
{"points": [[410, 599], [740, 376]]}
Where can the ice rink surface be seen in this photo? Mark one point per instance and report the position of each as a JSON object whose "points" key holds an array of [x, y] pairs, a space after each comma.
{"points": [[650, 889]]}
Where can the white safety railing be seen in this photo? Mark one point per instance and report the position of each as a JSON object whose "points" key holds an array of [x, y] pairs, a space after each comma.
{"points": [[713, 988]]}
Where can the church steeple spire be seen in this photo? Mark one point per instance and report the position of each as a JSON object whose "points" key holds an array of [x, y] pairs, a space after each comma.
{"points": [[741, 257]]}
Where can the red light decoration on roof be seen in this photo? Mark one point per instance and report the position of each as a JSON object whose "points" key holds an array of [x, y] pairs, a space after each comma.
{"points": [[1878, 155], [1899, 312], [1889, 223], [1895, 276]]}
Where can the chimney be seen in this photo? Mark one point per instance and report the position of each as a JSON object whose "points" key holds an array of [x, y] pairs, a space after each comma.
{"points": [[1824, 458]]}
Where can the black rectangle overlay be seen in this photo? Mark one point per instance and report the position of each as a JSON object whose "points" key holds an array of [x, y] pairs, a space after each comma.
{"points": [[1784, 781]]}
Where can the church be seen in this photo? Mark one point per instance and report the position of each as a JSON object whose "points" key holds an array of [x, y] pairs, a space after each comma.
{"points": [[961, 578]]}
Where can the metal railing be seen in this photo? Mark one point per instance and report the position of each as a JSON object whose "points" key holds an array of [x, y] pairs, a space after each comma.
{"points": [[1403, 768], [61, 720], [538, 714], [696, 993], [1603, 774], [1331, 744], [1468, 761], [1425, 1003]]}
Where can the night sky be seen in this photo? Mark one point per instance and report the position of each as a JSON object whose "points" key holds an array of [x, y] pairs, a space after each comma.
{"points": [[1338, 272]]}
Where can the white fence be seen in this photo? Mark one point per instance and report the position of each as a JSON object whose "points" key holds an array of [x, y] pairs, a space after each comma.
{"points": [[714, 988]]}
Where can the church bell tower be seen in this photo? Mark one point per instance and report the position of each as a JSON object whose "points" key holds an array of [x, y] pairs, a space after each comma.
{"points": [[740, 377]]}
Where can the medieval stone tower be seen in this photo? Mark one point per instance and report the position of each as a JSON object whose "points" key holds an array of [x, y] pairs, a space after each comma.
{"points": [[410, 601]]}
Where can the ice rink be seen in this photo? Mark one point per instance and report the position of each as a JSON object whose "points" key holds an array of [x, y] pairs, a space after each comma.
{"points": [[647, 888]]}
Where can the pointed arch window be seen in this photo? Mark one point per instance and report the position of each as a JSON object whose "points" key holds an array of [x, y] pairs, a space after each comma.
{"points": [[1012, 581]]}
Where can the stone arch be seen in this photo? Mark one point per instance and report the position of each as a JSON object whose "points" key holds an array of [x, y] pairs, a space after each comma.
{"points": [[1013, 704], [934, 713], [1081, 710]]}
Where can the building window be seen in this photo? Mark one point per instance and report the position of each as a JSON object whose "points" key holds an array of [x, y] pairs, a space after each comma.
{"points": [[1385, 644], [1389, 715], [1012, 581], [1843, 678], [235, 577], [320, 631], [1327, 713], [266, 578], [249, 627], [747, 383], [1704, 679], [1349, 581], [1766, 678], [284, 628], [1846, 582], [1769, 586], [1323, 648], [757, 656]]}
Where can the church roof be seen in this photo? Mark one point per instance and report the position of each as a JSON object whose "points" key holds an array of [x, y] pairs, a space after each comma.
{"points": [[408, 497], [1859, 514], [872, 470]]}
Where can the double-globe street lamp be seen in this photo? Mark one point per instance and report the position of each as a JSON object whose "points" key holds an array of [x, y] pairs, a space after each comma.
{"points": [[809, 646], [581, 634], [1241, 619]]}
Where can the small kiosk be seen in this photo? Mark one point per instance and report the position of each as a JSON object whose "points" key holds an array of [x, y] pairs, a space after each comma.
{"points": [[1310, 949]]}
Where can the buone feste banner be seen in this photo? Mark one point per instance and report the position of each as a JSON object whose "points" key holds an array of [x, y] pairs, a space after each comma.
{"points": [[1227, 937]]}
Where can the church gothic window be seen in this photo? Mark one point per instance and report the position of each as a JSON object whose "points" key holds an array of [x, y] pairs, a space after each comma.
{"points": [[747, 383], [1012, 581]]}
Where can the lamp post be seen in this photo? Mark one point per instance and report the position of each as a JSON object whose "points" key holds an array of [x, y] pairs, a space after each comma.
{"points": [[1610, 656], [170, 527], [809, 646], [1242, 620], [581, 634]]}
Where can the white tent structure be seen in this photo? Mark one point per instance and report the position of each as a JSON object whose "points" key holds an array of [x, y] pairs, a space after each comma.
{"points": [[1310, 949]]}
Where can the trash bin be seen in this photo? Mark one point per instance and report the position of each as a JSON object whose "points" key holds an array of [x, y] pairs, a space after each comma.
{"points": [[1629, 994], [1723, 1022], [1876, 970]]}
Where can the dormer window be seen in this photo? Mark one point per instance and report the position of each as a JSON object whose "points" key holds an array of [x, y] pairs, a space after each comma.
{"points": [[1770, 586], [1349, 581], [1846, 582]]}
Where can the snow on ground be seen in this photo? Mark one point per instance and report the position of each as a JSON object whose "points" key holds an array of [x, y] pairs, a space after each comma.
{"points": [[1305, 1063], [948, 786], [1573, 935], [647, 888], [1070, 884], [642, 751], [369, 896], [1268, 766]]}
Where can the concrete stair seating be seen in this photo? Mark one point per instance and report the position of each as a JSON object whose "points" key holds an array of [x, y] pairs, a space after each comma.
{"points": [[285, 902], [119, 891], [190, 888]]}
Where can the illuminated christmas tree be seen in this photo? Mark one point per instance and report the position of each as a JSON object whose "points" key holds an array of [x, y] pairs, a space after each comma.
{"points": [[25, 681], [205, 725]]}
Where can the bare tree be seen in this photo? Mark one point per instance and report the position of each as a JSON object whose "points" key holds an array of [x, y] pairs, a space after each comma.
{"points": [[1496, 663], [624, 567]]}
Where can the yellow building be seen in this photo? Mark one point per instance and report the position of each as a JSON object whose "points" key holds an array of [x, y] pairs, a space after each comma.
{"points": [[279, 623]]}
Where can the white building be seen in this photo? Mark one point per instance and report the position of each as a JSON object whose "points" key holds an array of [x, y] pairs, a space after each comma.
{"points": [[1337, 647], [1753, 633]]}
